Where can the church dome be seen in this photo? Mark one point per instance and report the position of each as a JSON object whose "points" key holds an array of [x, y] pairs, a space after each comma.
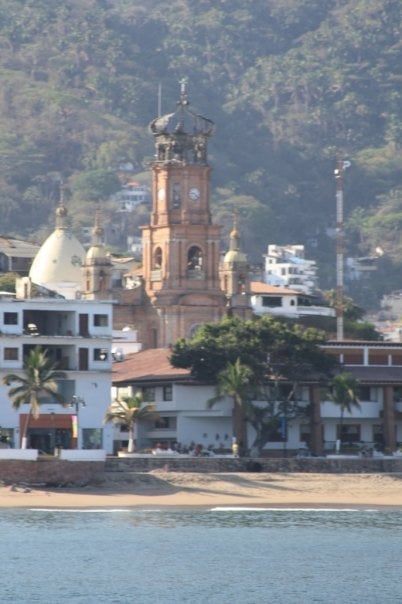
{"points": [[235, 256], [97, 251], [60, 258]]}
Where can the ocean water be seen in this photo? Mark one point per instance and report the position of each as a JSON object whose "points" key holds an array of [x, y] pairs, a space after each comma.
{"points": [[215, 556]]}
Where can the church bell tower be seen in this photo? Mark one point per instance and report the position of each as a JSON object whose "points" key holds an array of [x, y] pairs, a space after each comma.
{"points": [[181, 246]]}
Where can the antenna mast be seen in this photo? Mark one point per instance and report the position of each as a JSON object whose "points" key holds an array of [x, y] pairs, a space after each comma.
{"points": [[341, 166]]}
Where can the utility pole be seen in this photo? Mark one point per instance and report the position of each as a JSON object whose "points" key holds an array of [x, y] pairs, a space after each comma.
{"points": [[341, 166]]}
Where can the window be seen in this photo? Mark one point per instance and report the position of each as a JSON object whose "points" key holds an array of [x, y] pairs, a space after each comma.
{"points": [[302, 394], [10, 318], [241, 284], [100, 354], [165, 423], [194, 258], [148, 393], [176, 195], [305, 433], [101, 320], [278, 431], [285, 392], [397, 394], [350, 433], [91, 438], [11, 354], [168, 392], [158, 258], [271, 301], [7, 436], [378, 436], [366, 394]]}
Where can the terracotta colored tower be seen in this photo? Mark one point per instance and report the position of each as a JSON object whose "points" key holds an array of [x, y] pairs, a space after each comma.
{"points": [[181, 246]]}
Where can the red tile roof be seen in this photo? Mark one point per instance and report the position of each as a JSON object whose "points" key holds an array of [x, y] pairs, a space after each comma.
{"points": [[147, 365], [263, 288]]}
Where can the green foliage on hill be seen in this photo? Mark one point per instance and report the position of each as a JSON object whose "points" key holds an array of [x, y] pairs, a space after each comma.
{"points": [[289, 83]]}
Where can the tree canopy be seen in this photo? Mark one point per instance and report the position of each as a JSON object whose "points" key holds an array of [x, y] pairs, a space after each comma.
{"points": [[260, 364], [263, 344]]}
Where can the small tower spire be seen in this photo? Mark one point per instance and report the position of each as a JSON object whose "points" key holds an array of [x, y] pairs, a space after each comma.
{"points": [[234, 241], [234, 274], [98, 266], [97, 231], [61, 211]]}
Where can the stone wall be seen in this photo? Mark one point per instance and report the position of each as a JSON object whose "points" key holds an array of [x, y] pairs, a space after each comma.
{"points": [[52, 473], [57, 473], [291, 464]]}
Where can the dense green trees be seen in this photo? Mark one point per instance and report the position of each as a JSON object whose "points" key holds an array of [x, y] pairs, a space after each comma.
{"points": [[261, 360], [288, 82]]}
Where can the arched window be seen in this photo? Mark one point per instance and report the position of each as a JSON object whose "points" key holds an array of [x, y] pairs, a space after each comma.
{"points": [[194, 258], [101, 279], [158, 258], [241, 284], [176, 195]]}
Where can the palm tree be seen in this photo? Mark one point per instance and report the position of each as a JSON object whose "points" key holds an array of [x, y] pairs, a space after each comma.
{"points": [[236, 381], [39, 377], [128, 412], [344, 393]]}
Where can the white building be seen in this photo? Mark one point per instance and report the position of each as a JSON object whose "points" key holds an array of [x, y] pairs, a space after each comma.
{"points": [[125, 341], [186, 417], [131, 196], [286, 266], [284, 302], [77, 336], [357, 268]]}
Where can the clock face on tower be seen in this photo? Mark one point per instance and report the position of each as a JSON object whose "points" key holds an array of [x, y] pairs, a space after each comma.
{"points": [[194, 194]]}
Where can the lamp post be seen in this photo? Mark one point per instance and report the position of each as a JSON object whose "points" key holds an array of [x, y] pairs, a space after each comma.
{"points": [[75, 404]]}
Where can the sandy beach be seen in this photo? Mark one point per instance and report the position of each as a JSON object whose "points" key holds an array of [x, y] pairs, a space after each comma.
{"points": [[177, 489]]}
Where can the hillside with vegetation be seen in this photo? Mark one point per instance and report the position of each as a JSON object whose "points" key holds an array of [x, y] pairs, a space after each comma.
{"points": [[289, 84]]}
